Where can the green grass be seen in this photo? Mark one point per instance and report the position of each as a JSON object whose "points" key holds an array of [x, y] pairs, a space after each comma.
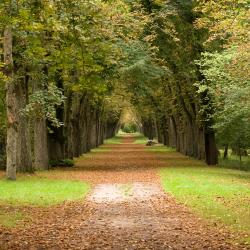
{"points": [[114, 140], [38, 191], [159, 148], [214, 193], [140, 139]]}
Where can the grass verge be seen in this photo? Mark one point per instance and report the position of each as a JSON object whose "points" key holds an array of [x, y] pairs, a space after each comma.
{"points": [[140, 139], [39, 191], [114, 140], [159, 148], [214, 193]]}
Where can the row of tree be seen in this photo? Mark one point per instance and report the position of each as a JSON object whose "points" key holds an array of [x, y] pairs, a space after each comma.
{"points": [[59, 63], [191, 87], [71, 67]]}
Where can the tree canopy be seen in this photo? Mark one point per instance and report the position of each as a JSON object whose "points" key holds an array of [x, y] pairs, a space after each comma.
{"points": [[72, 69]]}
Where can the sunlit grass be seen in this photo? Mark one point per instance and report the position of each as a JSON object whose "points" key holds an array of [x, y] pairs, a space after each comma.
{"points": [[159, 148], [114, 140], [214, 193], [140, 139], [39, 191]]}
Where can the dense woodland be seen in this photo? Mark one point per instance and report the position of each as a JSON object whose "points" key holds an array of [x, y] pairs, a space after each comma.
{"points": [[69, 69]]}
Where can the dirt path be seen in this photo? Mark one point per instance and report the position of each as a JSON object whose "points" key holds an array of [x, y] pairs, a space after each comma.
{"points": [[127, 209]]}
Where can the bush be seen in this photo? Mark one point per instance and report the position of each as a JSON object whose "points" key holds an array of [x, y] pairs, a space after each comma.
{"points": [[62, 163], [129, 128]]}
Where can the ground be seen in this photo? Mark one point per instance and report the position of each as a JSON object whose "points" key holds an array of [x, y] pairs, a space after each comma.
{"points": [[126, 208]]}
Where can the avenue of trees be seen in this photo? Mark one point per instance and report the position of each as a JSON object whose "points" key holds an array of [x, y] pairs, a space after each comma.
{"points": [[70, 68]]}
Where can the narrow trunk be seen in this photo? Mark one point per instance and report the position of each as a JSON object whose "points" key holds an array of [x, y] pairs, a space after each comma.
{"points": [[11, 104], [225, 155]]}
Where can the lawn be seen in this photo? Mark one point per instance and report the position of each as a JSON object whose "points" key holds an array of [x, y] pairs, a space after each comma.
{"points": [[35, 191], [39, 191], [140, 139], [114, 140], [214, 193]]}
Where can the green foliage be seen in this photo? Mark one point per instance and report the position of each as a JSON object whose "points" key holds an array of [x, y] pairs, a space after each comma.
{"points": [[37, 191], [226, 68], [230, 97], [129, 128], [43, 103], [214, 193]]}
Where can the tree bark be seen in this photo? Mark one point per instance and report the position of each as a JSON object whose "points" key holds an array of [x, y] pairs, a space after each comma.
{"points": [[24, 159], [225, 155], [211, 149], [41, 158], [11, 104]]}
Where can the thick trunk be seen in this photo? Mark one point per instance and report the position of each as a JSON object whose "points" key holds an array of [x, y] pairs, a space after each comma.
{"points": [[165, 130], [172, 133], [24, 159], [211, 149], [68, 127], [56, 142], [41, 158], [201, 144], [12, 109]]}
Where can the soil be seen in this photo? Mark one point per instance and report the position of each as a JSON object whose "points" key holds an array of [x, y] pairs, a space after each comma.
{"points": [[126, 209]]}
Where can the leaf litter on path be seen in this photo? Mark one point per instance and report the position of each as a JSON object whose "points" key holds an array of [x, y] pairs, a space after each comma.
{"points": [[126, 209]]}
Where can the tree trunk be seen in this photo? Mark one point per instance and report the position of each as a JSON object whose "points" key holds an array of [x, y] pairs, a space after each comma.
{"points": [[56, 142], [211, 149], [24, 159], [12, 110], [225, 155], [41, 158]]}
